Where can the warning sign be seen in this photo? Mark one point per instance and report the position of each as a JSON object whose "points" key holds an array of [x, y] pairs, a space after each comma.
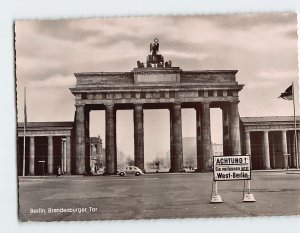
{"points": [[232, 168]]}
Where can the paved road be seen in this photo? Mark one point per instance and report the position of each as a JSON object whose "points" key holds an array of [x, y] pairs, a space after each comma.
{"points": [[154, 196]]}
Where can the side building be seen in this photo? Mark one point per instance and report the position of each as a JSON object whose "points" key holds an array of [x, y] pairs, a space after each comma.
{"points": [[50, 146], [97, 154], [271, 141]]}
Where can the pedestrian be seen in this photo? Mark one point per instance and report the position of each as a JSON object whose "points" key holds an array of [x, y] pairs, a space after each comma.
{"points": [[58, 171]]}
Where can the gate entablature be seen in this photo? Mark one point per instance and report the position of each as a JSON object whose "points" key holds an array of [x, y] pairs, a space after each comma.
{"points": [[156, 85]]}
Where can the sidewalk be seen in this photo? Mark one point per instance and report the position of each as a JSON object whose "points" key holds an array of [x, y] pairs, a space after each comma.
{"points": [[279, 170]]}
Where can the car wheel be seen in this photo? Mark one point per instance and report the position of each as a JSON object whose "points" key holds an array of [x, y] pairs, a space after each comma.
{"points": [[122, 174], [137, 173]]}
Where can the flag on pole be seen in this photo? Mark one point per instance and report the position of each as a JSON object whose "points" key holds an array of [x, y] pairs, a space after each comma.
{"points": [[25, 109], [288, 94], [24, 136]]}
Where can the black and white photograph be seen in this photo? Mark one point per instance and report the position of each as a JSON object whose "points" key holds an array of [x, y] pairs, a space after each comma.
{"points": [[157, 117]]}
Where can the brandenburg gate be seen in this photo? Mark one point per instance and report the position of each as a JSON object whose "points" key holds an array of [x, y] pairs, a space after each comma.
{"points": [[157, 85]]}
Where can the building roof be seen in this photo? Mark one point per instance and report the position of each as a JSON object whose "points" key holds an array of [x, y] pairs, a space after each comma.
{"points": [[269, 119], [46, 124], [95, 139]]}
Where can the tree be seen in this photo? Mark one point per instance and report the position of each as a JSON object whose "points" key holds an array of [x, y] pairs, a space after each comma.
{"points": [[129, 161], [190, 161], [158, 162]]}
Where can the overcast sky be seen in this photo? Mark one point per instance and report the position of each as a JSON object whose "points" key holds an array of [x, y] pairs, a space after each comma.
{"points": [[262, 47]]}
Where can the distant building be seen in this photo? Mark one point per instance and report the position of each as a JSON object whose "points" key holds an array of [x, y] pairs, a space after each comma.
{"points": [[190, 150], [97, 156], [217, 149]]}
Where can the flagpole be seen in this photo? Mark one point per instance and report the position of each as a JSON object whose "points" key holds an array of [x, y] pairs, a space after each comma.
{"points": [[24, 132], [295, 129]]}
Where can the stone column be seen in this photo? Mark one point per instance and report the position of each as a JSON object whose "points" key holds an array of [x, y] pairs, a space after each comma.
{"points": [[266, 152], [65, 156], [62, 164], [293, 156], [68, 155], [198, 138], [87, 141], [171, 140], [50, 155], [226, 138], [177, 155], [115, 139], [80, 139], [273, 152], [284, 148], [110, 139], [248, 143], [31, 157], [206, 137], [298, 145], [138, 118], [234, 129]]}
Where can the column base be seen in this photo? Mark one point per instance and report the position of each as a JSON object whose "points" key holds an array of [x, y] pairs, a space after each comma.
{"points": [[207, 169], [110, 173], [176, 171]]}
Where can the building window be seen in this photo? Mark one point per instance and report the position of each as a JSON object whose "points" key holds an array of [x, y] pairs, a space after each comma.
{"points": [[143, 95], [220, 93], [210, 93], [172, 94], [84, 96], [201, 93], [229, 93]]}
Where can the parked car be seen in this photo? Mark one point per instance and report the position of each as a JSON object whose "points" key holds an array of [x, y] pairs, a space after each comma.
{"points": [[130, 170]]}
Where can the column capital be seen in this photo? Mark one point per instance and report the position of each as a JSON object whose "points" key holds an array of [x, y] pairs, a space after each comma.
{"points": [[79, 105], [224, 106], [234, 101], [198, 106], [176, 103], [138, 106], [109, 105]]}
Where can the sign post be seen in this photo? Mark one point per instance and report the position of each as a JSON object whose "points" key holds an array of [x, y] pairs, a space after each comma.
{"points": [[230, 168], [215, 197]]}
